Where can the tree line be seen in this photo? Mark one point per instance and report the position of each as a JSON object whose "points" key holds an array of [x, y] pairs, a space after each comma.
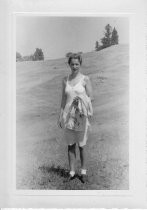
{"points": [[110, 38], [38, 55]]}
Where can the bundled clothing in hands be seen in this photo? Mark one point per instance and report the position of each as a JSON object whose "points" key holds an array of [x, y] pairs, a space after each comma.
{"points": [[77, 113]]}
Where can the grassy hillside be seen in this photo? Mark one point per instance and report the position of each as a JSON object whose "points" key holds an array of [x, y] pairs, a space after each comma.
{"points": [[41, 152]]}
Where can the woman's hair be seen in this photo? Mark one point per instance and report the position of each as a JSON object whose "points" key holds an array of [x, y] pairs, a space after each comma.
{"points": [[75, 56]]}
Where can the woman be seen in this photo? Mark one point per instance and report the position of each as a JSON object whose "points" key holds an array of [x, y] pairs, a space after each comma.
{"points": [[76, 108]]}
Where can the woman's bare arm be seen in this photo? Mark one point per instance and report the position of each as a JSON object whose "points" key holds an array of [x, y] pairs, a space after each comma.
{"points": [[63, 99], [63, 102], [88, 87]]}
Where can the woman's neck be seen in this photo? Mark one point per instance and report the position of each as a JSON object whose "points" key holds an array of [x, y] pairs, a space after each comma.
{"points": [[74, 75]]}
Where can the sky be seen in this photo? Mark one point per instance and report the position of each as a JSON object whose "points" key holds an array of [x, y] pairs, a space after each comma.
{"points": [[58, 35]]}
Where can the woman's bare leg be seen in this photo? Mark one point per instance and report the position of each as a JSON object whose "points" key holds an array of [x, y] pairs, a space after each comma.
{"points": [[83, 156], [72, 156], [83, 153]]}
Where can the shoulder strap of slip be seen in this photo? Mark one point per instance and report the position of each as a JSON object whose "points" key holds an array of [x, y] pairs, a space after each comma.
{"points": [[84, 76]]}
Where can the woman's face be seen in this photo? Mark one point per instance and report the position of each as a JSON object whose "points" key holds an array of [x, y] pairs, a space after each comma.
{"points": [[75, 65]]}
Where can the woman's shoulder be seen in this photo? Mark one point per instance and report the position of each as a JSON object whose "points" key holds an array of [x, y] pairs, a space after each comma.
{"points": [[86, 78], [64, 80]]}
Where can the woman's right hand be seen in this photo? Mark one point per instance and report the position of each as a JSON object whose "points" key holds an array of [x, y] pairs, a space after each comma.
{"points": [[59, 122]]}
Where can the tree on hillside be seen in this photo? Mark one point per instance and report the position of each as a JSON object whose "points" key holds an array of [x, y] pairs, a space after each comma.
{"points": [[18, 56], [114, 37], [38, 54], [96, 46], [31, 57], [106, 40], [28, 58], [110, 38]]}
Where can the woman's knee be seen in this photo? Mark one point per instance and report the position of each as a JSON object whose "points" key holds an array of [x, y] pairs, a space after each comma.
{"points": [[71, 148], [82, 147]]}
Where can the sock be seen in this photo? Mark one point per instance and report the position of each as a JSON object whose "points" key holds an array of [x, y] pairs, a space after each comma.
{"points": [[83, 171], [72, 173]]}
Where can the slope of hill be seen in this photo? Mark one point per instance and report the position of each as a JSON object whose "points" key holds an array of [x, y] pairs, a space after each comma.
{"points": [[41, 153]]}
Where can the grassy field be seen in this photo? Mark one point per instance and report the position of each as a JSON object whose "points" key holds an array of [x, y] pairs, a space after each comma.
{"points": [[41, 154]]}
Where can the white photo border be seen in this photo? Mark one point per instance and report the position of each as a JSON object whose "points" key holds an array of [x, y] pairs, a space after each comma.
{"points": [[135, 196]]}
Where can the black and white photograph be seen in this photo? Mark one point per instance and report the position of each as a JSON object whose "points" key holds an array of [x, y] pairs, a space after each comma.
{"points": [[72, 102], [73, 110]]}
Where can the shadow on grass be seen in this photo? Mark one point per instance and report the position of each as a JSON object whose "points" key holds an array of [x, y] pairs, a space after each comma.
{"points": [[62, 172], [56, 177]]}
